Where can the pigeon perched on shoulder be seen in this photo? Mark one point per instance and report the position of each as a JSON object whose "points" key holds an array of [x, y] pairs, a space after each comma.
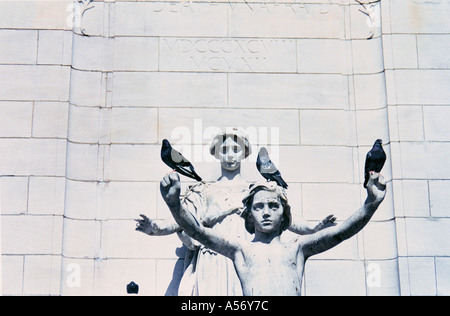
{"points": [[177, 162], [375, 160], [268, 169]]}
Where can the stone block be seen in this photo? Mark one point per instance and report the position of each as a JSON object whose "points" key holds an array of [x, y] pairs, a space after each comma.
{"points": [[439, 198], [367, 56], [136, 53], [50, 119], [327, 127], [113, 275], [84, 124], [199, 126], [380, 240], [39, 157], [89, 52], [427, 87], [134, 125], [415, 198], [410, 123], [12, 275], [382, 278], [170, 19], [419, 160], [42, 275], [46, 195], [39, 14], [442, 276], [126, 200], [342, 200], [123, 241], [18, 46], [297, 20], [169, 89], [14, 195], [425, 237], [15, 119], [436, 127], [419, 16], [404, 51], [28, 82], [288, 91], [422, 276], [431, 50], [316, 165], [86, 88], [370, 91], [136, 163], [81, 238], [77, 276], [335, 277], [54, 47], [228, 55], [82, 161], [31, 234], [372, 125], [82, 200], [323, 56]]}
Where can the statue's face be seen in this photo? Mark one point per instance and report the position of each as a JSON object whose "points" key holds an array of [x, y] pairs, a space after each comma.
{"points": [[231, 154], [267, 212]]}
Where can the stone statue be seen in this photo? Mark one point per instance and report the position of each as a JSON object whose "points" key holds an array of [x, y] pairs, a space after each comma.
{"points": [[218, 207], [267, 265]]}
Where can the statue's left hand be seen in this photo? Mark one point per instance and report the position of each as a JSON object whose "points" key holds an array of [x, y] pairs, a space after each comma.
{"points": [[376, 189], [170, 187]]}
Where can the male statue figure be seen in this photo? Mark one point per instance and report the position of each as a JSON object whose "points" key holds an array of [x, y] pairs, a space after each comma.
{"points": [[267, 265]]}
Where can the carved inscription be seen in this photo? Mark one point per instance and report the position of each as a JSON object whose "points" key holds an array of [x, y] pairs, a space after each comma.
{"points": [[228, 54], [268, 6]]}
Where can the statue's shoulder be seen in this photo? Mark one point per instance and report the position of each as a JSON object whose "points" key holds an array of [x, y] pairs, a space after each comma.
{"points": [[197, 188]]}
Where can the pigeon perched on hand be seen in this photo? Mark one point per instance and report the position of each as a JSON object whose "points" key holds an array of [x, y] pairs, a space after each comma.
{"points": [[375, 160], [177, 162], [268, 169]]}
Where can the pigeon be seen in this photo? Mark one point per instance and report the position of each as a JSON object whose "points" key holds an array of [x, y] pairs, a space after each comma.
{"points": [[268, 169], [177, 162], [375, 160], [132, 288]]}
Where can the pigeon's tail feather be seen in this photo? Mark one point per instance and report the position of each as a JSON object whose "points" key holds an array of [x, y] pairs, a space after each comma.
{"points": [[189, 173], [196, 176], [280, 182]]}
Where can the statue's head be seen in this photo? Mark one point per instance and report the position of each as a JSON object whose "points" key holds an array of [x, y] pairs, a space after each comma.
{"points": [[230, 148], [266, 209]]}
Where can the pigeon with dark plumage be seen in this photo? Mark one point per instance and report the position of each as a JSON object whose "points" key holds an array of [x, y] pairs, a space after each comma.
{"points": [[177, 162], [268, 169], [375, 160]]}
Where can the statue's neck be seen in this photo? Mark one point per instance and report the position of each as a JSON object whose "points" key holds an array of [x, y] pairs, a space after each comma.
{"points": [[231, 174]]}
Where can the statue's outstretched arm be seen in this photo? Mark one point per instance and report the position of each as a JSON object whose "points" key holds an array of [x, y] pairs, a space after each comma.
{"points": [[328, 238], [157, 227], [302, 227], [170, 191]]}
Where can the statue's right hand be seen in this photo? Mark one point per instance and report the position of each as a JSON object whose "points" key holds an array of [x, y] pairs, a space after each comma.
{"points": [[146, 225], [170, 187]]}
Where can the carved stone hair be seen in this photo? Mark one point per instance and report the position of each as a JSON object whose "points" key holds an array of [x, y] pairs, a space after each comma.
{"points": [[238, 136], [248, 203]]}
